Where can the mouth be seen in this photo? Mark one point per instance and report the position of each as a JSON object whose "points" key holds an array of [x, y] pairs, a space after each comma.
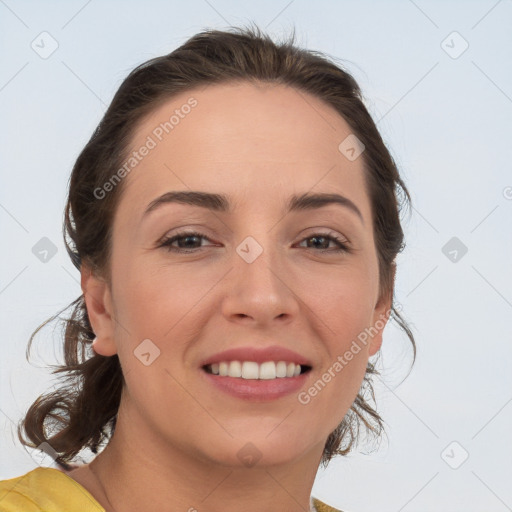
{"points": [[251, 370], [254, 382]]}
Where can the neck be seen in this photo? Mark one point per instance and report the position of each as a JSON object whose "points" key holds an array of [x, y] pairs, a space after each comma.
{"points": [[136, 474]]}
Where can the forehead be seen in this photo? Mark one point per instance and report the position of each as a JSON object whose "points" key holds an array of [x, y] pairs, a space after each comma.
{"points": [[247, 140]]}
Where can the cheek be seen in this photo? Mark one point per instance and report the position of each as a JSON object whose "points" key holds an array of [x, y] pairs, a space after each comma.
{"points": [[156, 301], [344, 302], [329, 396], [345, 309]]}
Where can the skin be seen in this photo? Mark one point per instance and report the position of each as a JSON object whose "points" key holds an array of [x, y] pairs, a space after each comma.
{"points": [[177, 437]]}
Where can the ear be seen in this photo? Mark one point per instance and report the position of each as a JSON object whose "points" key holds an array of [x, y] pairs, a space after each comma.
{"points": [[381, 315], [98, 300]]}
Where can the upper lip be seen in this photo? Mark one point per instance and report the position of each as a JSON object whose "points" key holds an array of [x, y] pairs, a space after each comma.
{"points": [[258, 355]]}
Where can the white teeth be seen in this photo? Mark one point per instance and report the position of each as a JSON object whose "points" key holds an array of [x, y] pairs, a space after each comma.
{"points": [[223, 369], [268, 370], [235, 369], [281, 369], [251, 370]]}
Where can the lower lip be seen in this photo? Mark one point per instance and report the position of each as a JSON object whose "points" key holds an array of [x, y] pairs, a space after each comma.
{"points": [[257, 390]]}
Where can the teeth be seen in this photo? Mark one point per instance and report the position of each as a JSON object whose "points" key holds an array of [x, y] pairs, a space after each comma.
{"points": [[251, 370]]}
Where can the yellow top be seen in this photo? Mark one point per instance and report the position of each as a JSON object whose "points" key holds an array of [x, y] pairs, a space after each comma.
{"points": [[50, 490]]}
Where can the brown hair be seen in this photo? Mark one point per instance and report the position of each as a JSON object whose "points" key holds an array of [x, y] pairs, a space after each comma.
{"points": [[83, 411]]}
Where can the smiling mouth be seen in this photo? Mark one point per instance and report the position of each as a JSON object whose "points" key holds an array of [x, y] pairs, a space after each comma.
{"points": [[251, 370]]}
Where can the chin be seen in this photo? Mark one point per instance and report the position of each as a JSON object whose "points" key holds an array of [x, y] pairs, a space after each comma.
{"points": [[257, 451]]}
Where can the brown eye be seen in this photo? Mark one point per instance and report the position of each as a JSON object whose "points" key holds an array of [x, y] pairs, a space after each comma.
{"points": [[321, 241], [187, 242]]}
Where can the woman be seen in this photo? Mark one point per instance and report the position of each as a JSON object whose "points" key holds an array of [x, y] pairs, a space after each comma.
{"points": [[235, 219]]}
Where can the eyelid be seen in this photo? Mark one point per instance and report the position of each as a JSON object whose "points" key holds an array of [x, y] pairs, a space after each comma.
{"points": [[188, 229], [167, 239], [343, 243], [200, 231], [329, 232]]}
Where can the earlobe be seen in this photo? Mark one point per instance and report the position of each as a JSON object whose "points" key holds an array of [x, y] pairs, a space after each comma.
{"points": [[380, 321], [98, 301], [381, 315]]}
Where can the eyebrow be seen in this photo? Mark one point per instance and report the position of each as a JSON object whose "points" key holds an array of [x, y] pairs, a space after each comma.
{"points": [[221, 203]]}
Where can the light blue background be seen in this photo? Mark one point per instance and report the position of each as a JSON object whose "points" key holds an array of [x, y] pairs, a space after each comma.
{"points": [[448, 123]]}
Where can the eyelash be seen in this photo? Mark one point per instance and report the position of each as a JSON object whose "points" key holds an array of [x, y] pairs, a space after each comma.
{"points": [[166, 242]]}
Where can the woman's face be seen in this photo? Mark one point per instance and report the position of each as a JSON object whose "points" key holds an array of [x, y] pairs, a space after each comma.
{"points": [[259, 275]]}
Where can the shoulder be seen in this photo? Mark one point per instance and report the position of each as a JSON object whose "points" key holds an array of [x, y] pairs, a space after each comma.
{"points": [[45, 489], [319, 506], [15, 494]]}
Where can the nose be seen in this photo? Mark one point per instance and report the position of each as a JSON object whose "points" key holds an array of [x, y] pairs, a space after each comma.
{"points": [[260, 291]]}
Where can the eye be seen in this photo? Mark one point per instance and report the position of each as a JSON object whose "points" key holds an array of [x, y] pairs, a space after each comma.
{"points": [[190, 242], [325, 239]]}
